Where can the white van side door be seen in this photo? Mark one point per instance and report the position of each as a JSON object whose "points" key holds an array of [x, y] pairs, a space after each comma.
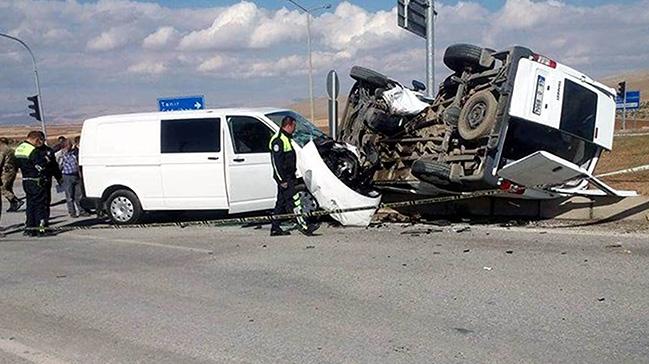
{"points": [[249, 172], [193, 175]]}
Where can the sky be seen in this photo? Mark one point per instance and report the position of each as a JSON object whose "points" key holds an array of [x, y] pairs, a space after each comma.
{"points": [[114, 56]]}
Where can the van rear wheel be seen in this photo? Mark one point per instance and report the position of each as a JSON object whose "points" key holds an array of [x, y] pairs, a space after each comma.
{"points": [[123, 207]]}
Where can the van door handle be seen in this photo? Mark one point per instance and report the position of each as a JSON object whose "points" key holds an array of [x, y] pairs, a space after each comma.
{"points": [[213, 158], [239, 160]]}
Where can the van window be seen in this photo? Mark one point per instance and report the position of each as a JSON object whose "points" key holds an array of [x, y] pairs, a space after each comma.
{"points": [[526, 137], [190, 136], [579, 110], [249, 135]]}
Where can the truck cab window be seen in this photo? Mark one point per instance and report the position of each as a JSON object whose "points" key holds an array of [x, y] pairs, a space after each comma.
{"points": [[249, 135], [190, 136]]}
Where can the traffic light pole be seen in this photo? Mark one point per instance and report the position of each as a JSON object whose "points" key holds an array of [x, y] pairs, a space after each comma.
{"points": [[36, 80], [624, 111]]}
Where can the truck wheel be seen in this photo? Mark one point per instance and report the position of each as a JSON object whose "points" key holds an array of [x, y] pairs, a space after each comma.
{"points": [[434, 172], [123, 207], [478, 116], [367, 75], [459, 57]]}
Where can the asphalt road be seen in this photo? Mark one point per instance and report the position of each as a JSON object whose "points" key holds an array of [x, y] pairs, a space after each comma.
{"points": [[390, 294]]}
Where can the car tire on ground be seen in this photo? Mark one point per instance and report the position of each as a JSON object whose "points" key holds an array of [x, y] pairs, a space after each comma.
{"points": [[438, 173], [459, 57], [478, 115], [123, 207], [369, 76]]}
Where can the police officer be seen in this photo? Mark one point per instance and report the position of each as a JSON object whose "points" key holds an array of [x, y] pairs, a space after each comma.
{"points": [[8, 171], [32, 162], [52, 170], [284, 166]]}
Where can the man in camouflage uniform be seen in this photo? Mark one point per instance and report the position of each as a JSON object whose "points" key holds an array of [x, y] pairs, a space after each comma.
{"points": [[8, 170]]}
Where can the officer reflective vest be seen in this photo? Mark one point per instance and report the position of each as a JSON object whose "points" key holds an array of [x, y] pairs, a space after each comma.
{"points": [[30, 161], [282, 156]]}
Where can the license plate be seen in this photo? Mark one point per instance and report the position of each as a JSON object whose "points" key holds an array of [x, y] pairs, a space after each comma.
{"points": [[538, 98]]}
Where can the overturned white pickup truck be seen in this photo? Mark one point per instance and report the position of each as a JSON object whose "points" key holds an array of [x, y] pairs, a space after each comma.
{"points": [[512, 119]]}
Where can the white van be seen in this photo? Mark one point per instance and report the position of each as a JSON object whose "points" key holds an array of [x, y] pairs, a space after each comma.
{"points": [[186, 160]]}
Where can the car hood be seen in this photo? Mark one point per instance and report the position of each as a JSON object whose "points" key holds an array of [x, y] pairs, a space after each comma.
{"points": [[331, 193]]}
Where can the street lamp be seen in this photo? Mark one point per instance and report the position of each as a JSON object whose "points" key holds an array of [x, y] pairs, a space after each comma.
{"points": [[36, 81], [308, 13]]}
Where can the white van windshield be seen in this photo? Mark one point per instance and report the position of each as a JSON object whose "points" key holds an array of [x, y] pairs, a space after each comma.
{"points": [[304, 132]]}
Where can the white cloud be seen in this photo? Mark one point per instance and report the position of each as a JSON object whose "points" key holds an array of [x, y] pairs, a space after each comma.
{"points": [[112, 39], [230, 29], [161, 38], [148, 68], [215, 63]]}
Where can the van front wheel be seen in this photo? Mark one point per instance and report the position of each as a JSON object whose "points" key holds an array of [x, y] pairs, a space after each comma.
{"points": [[123, 207]]}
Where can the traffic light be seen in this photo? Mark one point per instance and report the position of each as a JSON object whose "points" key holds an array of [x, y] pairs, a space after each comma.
{"points": [[35, 105], [621, 89]]}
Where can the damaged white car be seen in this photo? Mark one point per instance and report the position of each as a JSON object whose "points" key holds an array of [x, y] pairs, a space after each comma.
{"points": [[512, 119]]}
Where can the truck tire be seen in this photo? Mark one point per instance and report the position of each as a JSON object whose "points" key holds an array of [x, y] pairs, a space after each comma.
{"points": [[478, 116], [362, 74], [438, 173], [459, 57], [123, 207]]}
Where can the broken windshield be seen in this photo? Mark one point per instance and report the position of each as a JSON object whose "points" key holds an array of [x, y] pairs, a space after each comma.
{"points": [[305, 130]]}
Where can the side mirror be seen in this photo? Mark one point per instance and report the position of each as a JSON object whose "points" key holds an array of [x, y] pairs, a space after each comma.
{"points": [[418, 85]]}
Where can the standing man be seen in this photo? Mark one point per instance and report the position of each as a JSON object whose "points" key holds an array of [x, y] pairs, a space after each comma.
{"points": [[52, 170], [284, 161], [70, 170], [31, 161], [8, 169]]}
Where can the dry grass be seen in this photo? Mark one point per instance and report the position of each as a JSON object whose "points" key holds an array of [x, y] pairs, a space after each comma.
{"points": [[16, 134], [627, 152]]}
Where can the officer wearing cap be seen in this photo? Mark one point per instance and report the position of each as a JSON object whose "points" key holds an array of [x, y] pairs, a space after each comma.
{"points": [[32, 162], [283, 159]]}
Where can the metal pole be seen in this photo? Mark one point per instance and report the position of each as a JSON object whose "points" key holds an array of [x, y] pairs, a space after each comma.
{"points": [[36, 80], [308, 38], [430, 48], [624, 111]]}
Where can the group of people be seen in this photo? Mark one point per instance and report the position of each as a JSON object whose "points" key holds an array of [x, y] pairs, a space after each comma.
{"points": [[39, 165]]}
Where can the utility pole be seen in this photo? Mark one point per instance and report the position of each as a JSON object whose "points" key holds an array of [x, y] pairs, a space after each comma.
{"points": [[36, 80], [430, 48], [308, 13]]}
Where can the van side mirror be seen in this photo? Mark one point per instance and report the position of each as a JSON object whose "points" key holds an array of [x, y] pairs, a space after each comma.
{"points": [[418, 86]]}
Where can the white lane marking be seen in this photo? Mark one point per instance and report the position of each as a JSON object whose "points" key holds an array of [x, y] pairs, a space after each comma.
{"points": [[140, 242], [28, 353]]}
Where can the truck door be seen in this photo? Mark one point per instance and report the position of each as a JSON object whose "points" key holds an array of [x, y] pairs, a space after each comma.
{"points": [[192, 164], [249, 172]]}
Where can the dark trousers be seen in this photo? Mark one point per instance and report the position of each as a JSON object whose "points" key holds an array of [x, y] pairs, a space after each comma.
{"points": [[36, 203], [72, 195], [288, 201], [48, 200]]}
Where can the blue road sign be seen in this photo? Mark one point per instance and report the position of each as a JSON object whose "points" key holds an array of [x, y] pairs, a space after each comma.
{"points": [[181, 103], [632, 101]]}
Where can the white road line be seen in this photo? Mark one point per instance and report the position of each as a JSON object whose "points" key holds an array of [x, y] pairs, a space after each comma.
{"points": [[28, 353], [139, 242]]}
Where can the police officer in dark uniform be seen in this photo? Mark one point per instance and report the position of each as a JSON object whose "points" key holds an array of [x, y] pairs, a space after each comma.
{"points": [[284, 160], [32, 162], [52, 170]]}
